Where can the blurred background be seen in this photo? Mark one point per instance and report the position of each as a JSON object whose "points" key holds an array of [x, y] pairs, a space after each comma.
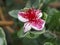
{"points": [[10, 25]]}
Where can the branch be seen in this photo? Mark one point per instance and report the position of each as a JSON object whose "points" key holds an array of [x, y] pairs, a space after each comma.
{"points": [[6, 23], [3, 19]]}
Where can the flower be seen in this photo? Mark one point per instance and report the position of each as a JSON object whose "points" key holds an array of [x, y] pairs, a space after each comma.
{"points": [[31, 19]]}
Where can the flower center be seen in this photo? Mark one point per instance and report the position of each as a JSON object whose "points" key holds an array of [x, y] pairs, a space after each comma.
{"points": [[31, 15]]}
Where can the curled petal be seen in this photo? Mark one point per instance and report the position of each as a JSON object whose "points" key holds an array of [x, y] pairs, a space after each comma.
{"points": [[27, 27], [38, 13], [38, 24], [21, 17]]}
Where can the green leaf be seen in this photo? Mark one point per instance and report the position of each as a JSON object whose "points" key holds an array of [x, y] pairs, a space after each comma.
{"points": [[28, 4], [36, 3], [27, 41], [48, 43], [1, 41], [54, 23], [21, 33], [30, 34], [45, 4], [14, 13], [51, 12], [35, 34], [38, 32], [48, 1], [2, 37], [49, 35], [44, 16]]}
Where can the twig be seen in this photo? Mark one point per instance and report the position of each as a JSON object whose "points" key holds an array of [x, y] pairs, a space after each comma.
{"points": [[9, 29], [6, 23], [3, 19]]}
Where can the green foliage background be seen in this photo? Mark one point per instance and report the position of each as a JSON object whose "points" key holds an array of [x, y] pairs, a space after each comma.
{"points": [[52, 34]]}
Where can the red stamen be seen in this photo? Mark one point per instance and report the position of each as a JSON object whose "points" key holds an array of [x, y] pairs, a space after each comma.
{"points": [[31, 15]]}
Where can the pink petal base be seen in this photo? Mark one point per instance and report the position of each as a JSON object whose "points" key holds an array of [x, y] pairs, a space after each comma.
{"points": [[38, 24]]}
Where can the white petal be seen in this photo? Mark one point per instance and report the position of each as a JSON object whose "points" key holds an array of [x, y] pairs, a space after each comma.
{"points": [[40, 15], [21, 18], [27, 27]]}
